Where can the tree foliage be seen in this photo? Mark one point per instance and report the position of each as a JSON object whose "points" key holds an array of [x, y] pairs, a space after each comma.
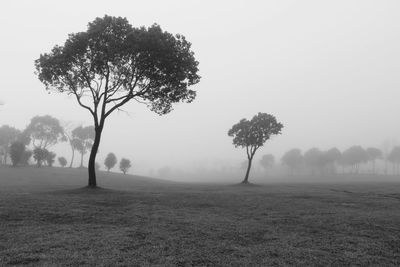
{"points": [[40, 155], [44, 131], [112, 63], [110, 161], [252, 134], [17, 150], [124, 165]]}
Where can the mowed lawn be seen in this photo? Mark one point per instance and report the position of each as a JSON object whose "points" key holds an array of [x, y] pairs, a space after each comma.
{"points": [[46, 219]]}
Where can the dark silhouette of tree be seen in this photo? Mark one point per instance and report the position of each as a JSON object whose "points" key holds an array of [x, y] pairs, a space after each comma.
{"points": [[8, 135], [113, 63], [40, 155], [82, 139], [353, 157], [44, 131], [124, 165], [374, 154], [17, 150], [332, 157], [63, 161], [252, 134], [394, 158], [50, 158], [110, 161], [26, 157], [293, 159], [267, 161]]}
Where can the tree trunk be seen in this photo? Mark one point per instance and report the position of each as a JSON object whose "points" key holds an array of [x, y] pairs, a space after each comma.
{"points": [[92, 159], [246, 178], [73, 154], [82, 160]]}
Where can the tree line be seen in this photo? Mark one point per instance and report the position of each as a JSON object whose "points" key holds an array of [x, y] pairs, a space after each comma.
{"points": [[40, 135]]}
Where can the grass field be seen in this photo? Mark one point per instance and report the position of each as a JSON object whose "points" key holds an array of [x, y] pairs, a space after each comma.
{"points": [[47, 219]]}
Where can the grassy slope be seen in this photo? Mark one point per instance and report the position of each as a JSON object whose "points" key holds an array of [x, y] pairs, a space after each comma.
{"points": [[44, 221]]}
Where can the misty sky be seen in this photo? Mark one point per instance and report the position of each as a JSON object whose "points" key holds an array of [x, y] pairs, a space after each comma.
{"points": [[328, 70]]}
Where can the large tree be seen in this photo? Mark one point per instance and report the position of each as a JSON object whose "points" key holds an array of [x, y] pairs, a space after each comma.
{"points": [[82, 139], [113, 63], [252, 134], [44, 131], [354, 156]]}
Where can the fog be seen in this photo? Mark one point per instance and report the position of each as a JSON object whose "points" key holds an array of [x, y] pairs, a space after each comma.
{"points": [[328, 70]]}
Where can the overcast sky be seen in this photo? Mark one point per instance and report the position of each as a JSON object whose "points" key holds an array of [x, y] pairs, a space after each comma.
{"points": [[328, 70]]}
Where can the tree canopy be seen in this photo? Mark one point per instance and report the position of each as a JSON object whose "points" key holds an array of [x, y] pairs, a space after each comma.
{"points": [[44, 131], [112, 63]]}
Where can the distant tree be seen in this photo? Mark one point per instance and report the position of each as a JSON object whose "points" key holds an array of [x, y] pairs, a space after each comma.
{"points": [[97, 165], [50, 158], [82, 139], [110, 161], [252, 134], [394, 158], [8, 135], [293, 159], [332, 157], [26, 157], [40, 155], [17, 150], [62, 161], [314, 159], [44, 131], [165, 172], [354, 156], [124, 165], [267, 161], [113, 63], [374, 154]]}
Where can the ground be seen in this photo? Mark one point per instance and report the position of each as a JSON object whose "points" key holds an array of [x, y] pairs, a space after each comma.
{"points": [[46, 219]]}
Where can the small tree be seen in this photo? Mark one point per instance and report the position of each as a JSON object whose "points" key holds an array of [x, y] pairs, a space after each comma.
{"points": [[333, 157], [354, 156], [40, 155], [82, 139], [17, 150], [113, 63], [252, 134], [293, 159], [50, 158], [394, 158], [374, 154], [110, 161], [124, 165], [62, 161], [26, 157], [8, 135], [267, 161]]}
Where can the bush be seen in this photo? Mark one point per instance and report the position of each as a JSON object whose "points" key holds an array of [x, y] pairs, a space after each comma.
{"points": [[17, 150], [62, 161]]}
